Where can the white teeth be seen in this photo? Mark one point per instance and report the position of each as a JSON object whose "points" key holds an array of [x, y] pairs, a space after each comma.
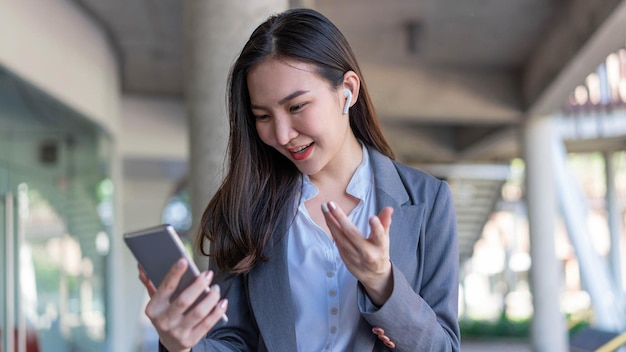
{"points": [[301, 149]]}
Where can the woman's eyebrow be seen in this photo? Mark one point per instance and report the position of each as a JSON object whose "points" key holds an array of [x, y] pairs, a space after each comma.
{"points": [[291, 96], [283, 100]]}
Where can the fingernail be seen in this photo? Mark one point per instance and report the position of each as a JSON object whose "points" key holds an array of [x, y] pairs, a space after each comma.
{"points": [[208, 275], [216, 288], [332, 205], [324, 208], [180, 263], [374, 220], [224, 305]]}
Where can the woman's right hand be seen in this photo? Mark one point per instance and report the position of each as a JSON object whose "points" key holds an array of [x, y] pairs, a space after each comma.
{"points": [[179, 332]]}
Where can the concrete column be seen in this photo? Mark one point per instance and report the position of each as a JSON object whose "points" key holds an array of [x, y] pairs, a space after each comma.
{"points": [[215, 31], [613, 209], [302, 3], [548, 331]]}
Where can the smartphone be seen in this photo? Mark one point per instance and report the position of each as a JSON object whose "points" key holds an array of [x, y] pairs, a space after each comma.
{"points": [[157, 249]]}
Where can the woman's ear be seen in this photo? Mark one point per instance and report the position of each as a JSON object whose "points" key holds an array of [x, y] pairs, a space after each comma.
{"points": [[346, 107], [351, 86]]}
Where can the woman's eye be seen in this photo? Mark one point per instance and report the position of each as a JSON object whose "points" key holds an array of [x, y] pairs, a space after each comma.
{"points": [[296, 108], [261, 117]]}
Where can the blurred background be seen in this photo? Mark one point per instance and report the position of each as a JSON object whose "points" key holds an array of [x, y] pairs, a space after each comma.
{"points": [[112, 119]]}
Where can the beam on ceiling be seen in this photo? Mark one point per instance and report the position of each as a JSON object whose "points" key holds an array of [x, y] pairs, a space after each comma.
{"points": [[581, 39], [501, 145], [444, 96]]}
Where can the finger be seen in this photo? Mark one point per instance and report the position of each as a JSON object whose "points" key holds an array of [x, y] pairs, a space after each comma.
{"points": [[339, 225], [214, 292], [186, 299], [160, 300], [342, 219], [170, 282], [143, 277], [331, 222], [218, 312], [174, 315], [206, 302], [202, 318]]}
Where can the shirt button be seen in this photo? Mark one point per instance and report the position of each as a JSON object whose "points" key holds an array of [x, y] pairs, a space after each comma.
{"points": [[334, 310], [330, 273], [333, 329], [332, 292]]}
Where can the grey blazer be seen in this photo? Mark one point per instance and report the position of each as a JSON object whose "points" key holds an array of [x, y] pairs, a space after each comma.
{"points": [[420, 315]]}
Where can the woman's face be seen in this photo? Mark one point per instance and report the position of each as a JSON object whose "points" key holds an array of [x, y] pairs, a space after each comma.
{"points": [[300, 115]]}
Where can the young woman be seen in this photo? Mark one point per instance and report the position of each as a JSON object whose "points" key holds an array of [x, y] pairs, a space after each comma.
{"points": [[301, 260]]}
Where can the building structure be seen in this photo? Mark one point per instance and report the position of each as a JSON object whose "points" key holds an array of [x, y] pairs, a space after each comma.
{"points": [[95, 112]]}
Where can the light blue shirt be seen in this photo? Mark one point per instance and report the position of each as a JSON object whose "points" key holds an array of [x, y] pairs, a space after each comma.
{"points": [[323, 290]]}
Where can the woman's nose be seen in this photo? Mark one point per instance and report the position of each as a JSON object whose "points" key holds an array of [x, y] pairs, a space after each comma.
{"points": [[284, 130]]}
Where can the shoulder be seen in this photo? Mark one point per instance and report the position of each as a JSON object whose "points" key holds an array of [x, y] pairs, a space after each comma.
{"points": [[391, 172], [415, 175], [422, 186]]}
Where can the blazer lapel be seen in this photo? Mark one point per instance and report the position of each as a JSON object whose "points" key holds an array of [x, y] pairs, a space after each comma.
{"points": [[270, 297], [390, 191], [407, 217]]}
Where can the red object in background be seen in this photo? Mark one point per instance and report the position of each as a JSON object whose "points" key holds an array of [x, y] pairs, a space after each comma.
{"points": [[32, 343]]}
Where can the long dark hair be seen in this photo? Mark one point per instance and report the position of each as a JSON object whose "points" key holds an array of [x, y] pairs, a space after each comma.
{"points": [[261, 183]]}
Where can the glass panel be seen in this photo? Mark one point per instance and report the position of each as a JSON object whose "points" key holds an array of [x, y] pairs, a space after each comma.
{"points": [[3, 263], [55, 163]]}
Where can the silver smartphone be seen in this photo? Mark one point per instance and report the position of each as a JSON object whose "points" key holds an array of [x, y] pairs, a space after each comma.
{"points": [[157, 249]]}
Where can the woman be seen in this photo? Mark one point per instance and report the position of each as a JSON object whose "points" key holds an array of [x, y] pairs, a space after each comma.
{"points": [[301, 260]]}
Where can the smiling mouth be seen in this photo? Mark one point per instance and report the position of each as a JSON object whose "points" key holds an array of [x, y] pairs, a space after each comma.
{"points": [[300, 149], [302, 152]]}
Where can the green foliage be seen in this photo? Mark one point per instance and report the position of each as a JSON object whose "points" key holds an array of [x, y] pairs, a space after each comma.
{"points": [[502, 327]]}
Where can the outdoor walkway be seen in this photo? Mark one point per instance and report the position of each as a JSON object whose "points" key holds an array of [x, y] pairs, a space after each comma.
{"points": [[495, 345]]}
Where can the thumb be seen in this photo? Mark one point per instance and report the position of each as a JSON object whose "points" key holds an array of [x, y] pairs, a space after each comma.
{"points": [[380, 226]]}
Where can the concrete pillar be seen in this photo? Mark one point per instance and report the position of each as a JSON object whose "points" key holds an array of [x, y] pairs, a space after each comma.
{"points": [[120, 266], [302, 3], [614, 214], [548, 330], [215, 32]]}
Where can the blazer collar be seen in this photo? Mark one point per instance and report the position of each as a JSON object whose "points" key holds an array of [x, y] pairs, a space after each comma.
{"points": [[390, 188]]}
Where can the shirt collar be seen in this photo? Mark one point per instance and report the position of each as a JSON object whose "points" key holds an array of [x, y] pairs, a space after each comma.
{"points": [[359, 184]]}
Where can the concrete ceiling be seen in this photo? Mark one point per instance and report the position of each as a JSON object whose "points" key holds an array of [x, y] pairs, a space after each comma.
{"points": [[452, 80]]}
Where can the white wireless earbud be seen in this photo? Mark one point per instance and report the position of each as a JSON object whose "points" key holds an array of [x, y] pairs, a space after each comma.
{"points": [[348, 100]]}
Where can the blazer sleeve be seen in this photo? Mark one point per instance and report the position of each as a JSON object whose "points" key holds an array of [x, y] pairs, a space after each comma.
{"points": [[422, 312]]}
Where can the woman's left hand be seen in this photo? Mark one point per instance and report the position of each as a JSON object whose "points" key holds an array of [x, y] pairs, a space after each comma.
{"points": [[366, 258]]}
